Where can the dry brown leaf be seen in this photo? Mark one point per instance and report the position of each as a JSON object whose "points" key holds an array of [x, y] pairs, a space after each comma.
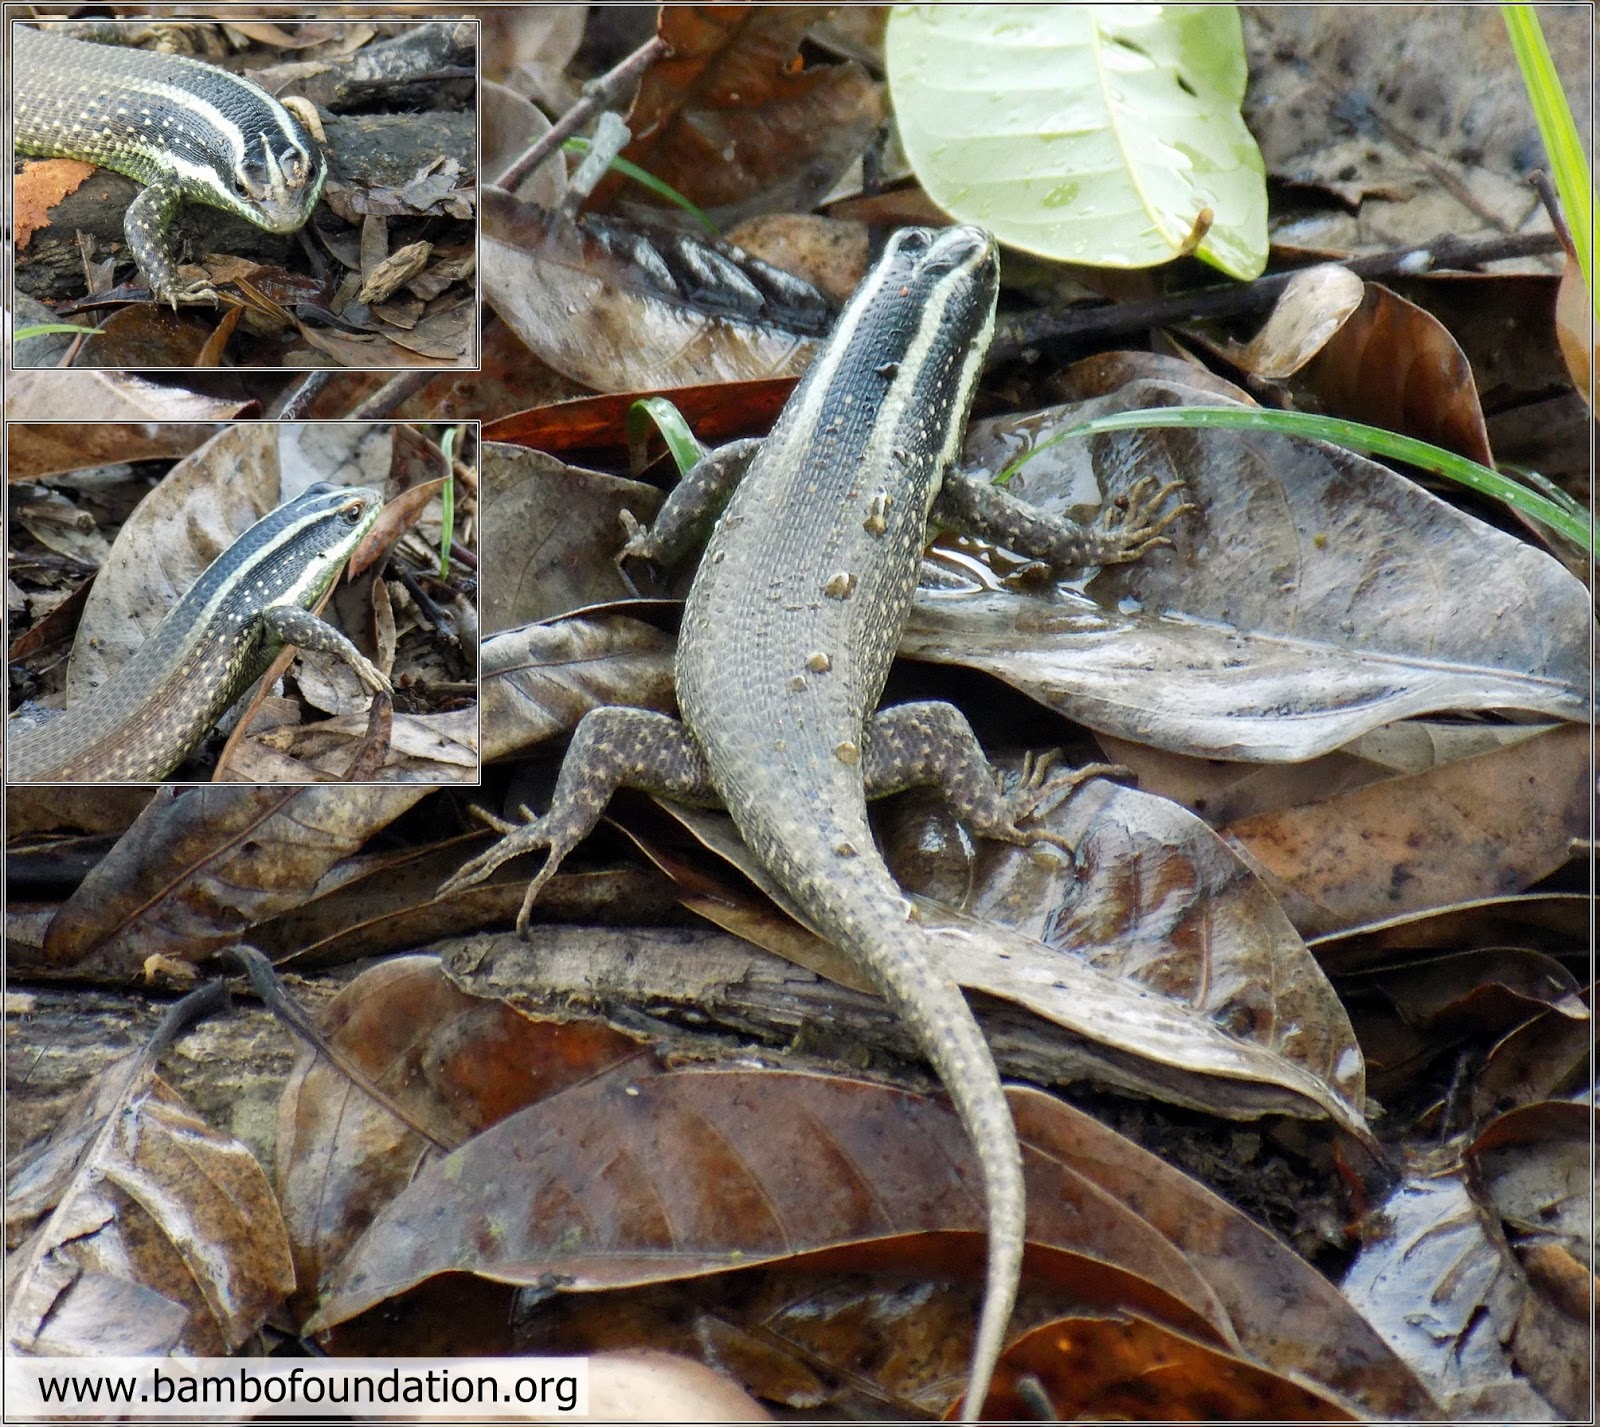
{"points": [[111, 396], [456, 1063], [591, 314], [1314, 597], [634, 1178], [154, 1233], [539, 680], [1118, 1369], [1495, 822], [732, 121], [556, 530], [1174, 970], [201, 865], [1309, 312], [1395, 365], [1575, 329], [34, 450]]}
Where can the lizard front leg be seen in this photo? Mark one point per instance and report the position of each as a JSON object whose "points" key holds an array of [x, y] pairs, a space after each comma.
{"points": [[694, 503], [612, 748], [145, 227], [289, 624], [1126, 529]]}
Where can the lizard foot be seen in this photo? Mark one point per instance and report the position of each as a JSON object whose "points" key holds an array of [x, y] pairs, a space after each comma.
{"points": [[1041, 783], [192, 293], [516, 838], [1135, 522]]}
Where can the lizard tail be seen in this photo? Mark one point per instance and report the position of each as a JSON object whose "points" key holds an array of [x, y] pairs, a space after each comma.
{"points": [[933, 1005]]}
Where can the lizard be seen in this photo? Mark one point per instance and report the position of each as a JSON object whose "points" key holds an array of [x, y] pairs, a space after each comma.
{"points": [[788, 632]]}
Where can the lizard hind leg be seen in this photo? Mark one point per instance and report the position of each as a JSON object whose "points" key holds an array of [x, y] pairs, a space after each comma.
{"points": [[612, 748], [931, 744]]}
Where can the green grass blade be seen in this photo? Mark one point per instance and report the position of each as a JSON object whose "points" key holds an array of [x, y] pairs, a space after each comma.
{"points": [[628, 169], [1568, 166]]}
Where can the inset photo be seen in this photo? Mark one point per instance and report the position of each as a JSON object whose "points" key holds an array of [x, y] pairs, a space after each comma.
{"points": [[254, 193], [255, 602]]}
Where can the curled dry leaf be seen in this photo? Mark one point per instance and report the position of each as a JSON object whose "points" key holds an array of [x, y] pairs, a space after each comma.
{"points": [[1115, 1369], [1281, 1312], [1395, 365], [541, 272], [1174, 971], [595, 428], [200, 866], [154, 1233], [1549, 1055], [1310, 310]]}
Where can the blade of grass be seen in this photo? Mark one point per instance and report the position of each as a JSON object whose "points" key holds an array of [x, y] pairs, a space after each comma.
{"points": [[1353, 436], [447, 496], [682, 444], [1569, 167], [629, 169]]}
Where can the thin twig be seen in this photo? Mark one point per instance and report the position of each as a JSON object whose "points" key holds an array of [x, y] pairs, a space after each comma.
{"points": [[390, 395], [301, 398], [1122, 319], [1552, 205], [597, 94], [258, 971]]}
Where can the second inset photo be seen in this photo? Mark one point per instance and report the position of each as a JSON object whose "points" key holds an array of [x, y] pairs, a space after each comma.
{"points": [[254, 602]]}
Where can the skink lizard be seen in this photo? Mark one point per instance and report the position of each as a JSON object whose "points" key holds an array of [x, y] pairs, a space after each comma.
{"points": [[787, 637], [190, 131], [213, 644]]}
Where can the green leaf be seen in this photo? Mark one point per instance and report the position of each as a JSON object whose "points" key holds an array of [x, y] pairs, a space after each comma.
{"points": [[682, 443], [1091, 134]]}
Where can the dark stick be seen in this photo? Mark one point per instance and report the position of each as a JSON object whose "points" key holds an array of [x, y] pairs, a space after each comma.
{"points": [[1122, 319], [597, 94], [390, 395], [300, 399]]}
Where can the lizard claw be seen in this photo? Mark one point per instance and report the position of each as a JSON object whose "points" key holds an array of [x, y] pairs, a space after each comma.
{"points": [[516, 838], [1041, 783], [1135, 520], [637, 547]]}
